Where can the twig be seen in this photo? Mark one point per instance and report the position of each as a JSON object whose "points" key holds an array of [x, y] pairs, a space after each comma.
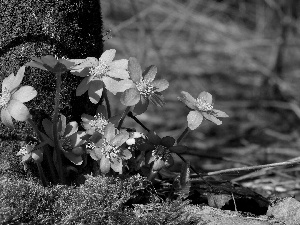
{"points": [[237, 170]]}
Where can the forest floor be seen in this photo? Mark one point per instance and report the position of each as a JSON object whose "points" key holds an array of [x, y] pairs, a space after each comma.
{"points": [[199, 46]]}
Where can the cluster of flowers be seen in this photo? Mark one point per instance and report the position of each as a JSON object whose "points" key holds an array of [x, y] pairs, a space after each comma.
{"points": [[101, 139]]}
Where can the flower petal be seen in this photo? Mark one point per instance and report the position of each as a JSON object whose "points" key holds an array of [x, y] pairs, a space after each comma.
{"points": [[115, 86], [18, 110], [108, 56], [212, 118], [119, 64], [96, 154], [187, 99], [168, 141], [8, 82], [120, 138], [160, 85], [157, 99], [71, 128], [118, 73], [117, 165], [25, 94], [37, 155], [109, 132], [158, 164], [135, 70], [219, 113], [130, 97], [76, 138], [150, 73], [83, 86], [194, 119], [95, 91], [76, 159], [206, 97], [18, 78], [84, 72], [141, 107], [80, 64], [6, 118], [169, 161], [146, 147], [104, 165], [126, 154]]}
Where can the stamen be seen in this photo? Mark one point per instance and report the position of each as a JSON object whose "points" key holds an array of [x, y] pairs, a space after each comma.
{"points": [[90, 145], [99, 71], [99, 123], [145, 88], [66, 144], [203, 105], [110, 151], [161, 152], [5, 98]]}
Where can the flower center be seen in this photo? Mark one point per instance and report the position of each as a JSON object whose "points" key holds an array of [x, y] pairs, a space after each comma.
{"points": [[99, 123], [27, 148], [66, 144], [4, 99], [90, 145], [110, 151], [203, 105], [99, 71], [145, 88], [161, 152]]}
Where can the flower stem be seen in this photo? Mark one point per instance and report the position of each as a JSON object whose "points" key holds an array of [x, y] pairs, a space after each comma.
{"points": [[184, 133], [192, 168], [130, 114], [123, 117], [104, 93], [41, 174], [55, 131], [46, 151]]}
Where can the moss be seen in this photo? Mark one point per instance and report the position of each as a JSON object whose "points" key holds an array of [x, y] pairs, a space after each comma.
{"points": [[100, 200], [40, 27]]}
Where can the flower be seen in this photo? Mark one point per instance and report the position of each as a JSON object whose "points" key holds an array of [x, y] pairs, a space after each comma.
{"points": [[109, 150], [29, 151], [97, 122], [160, 151], [13, 97], [51, 63], [201, 107], [70, 139], [97, 73], [144, 88]]}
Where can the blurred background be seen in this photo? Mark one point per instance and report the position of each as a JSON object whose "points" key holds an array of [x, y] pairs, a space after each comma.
{"points": [[245, 53]]}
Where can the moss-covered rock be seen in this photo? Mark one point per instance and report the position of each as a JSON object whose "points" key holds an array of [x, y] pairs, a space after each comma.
{"points": [[70, 28]]}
